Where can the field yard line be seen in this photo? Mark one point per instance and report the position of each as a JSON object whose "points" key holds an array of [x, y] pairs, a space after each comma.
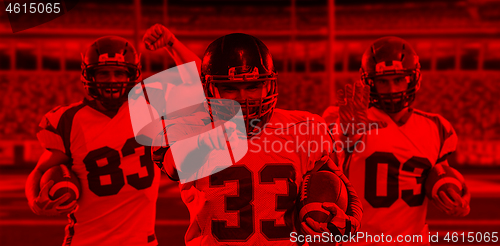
{"points": [[164, 222], [31, 222], [167, 193], [463, 222]]}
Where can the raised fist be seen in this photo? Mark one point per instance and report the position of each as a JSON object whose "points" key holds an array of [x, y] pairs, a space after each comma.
{"points": [[157, 37]]}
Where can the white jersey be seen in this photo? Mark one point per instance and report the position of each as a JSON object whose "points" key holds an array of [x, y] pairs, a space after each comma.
{"points": [[388, 170], [119, 182], [253, 201]]}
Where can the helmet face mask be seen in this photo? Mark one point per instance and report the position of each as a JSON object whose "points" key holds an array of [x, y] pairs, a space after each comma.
{"points": [[391, 56], [226, 66], [255, 110], [109, 53]]}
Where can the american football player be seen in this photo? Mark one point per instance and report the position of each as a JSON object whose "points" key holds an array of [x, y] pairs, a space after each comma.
{"points": [[388, 172], [253, 201], [94, 138]]}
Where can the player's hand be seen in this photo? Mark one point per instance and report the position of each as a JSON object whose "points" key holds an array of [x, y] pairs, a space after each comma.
{"points": [[157, 37], [215, 139], [457, 205], [353, 108], [43, 205], [340, 224]]}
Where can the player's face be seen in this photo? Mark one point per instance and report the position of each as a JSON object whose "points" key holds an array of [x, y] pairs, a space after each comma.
{"points": [[243, 91], [111, 74], [391, 83]]}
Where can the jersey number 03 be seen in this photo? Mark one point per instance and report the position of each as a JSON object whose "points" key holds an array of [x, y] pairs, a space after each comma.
{"points": [[372, 168]]}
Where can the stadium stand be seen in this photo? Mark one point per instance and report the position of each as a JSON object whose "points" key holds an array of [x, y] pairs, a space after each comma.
{"points": [[466, 98], [30, 97]]}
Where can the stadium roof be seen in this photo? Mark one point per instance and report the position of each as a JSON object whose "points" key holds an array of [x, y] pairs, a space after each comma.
{"points": [[267, 2]]}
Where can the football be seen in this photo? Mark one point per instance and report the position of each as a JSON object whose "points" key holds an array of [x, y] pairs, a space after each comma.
{"points": [[65, 181], [441, 178], [317, 188]]}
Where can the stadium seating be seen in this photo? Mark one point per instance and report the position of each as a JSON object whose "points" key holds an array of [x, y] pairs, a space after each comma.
{"points": [[30, 97], [466, 100]]}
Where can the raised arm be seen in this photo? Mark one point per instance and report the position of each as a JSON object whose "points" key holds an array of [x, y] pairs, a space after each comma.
{"points": [[158, 37]]}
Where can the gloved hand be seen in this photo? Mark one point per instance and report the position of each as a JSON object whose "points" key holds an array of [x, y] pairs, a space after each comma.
{"points": [[43, 205], [340, 224], [457, 205]]}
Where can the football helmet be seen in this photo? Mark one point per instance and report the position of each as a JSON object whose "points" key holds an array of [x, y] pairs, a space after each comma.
{"points": [[240, 58], [104, 52], [391, 56]]}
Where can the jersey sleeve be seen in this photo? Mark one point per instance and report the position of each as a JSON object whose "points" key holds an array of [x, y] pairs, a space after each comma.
{"points": [[51, 133], [320, 141], [448, 139], [340, 139], [176, 130], [331, 115]]}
